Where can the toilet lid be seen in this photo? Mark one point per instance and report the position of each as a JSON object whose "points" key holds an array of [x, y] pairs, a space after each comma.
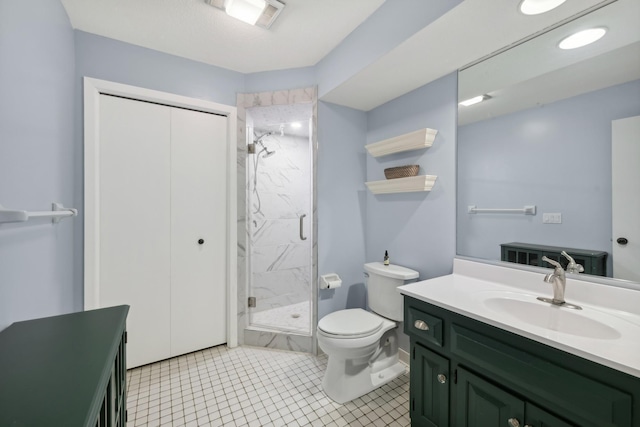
{"points": [[352, 322]]}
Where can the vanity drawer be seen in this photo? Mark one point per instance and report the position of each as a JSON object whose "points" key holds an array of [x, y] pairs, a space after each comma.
{"points": [[423, 326]]}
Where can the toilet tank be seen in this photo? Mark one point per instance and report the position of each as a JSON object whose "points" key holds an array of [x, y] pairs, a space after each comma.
{"points": [[384, 298]]}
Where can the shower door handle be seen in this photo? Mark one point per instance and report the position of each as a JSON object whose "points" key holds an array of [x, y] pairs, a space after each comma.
{"points": [[302, 227]]}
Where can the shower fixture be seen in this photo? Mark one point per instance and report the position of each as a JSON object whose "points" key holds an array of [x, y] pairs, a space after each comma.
{"points": [[264, 153], [258, 141]]}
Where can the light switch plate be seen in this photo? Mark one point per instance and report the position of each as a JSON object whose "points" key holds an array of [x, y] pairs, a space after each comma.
{"points": [[552, 218]]}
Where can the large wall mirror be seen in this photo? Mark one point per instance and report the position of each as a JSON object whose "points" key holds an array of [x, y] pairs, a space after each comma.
{"points": [[542, 137]]}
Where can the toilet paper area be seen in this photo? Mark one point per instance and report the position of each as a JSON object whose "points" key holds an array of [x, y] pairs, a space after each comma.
{"points": [[330, 281]]}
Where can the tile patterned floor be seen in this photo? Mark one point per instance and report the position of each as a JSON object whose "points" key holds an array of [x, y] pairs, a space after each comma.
{"points": [[249, 386]]}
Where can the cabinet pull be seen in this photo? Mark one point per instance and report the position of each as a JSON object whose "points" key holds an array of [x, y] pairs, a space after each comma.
{"points": [[421, 324], [442, 378], [513, 422]]}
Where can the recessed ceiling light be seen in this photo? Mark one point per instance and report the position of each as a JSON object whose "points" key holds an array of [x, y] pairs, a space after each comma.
{"points": [[296, 125], [536, 7], [582, 38], [474, 100]]}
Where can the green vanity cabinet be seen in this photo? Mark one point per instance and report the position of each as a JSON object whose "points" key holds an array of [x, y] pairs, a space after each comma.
{"points": [[65, 371], [466, 373], [431, 379]]}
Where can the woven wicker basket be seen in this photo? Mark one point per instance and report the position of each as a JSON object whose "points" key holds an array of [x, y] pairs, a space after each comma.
{"points": [[402, 171]]}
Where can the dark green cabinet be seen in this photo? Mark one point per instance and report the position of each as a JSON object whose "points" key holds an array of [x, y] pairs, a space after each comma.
{"points": [[537, 417], [495, 378], [481, 404], [431, 377], [594, 262], [67, 370]]}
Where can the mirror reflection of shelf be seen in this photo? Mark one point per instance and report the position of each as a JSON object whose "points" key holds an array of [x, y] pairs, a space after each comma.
{"points": [[402, 185], [421, 138]]}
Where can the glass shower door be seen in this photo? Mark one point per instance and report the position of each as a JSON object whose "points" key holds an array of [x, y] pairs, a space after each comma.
{"points": [[279, 222]]}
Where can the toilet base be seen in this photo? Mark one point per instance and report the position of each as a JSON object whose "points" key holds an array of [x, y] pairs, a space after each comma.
{"points": [[343, 382]]}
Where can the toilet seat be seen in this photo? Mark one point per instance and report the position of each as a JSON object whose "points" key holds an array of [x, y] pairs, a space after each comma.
{"points": [[350, 323]]}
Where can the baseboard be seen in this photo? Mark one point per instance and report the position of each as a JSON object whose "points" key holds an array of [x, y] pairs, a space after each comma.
{"points": [[403, 356]]}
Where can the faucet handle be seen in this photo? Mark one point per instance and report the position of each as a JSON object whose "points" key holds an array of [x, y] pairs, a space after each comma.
{"points": [[573, 266], [556, 264]]}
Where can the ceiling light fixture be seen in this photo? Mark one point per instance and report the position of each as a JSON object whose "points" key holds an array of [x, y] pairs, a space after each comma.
{"points": [[261, 13], [296, 125], [245, 10], [582, 38], [536, 7], [474, 100]]}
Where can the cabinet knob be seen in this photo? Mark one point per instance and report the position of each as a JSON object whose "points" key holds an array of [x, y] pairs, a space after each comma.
{"points": [[442, 378], [421, 324], [200, 241], [622, 240], [513, 422]]}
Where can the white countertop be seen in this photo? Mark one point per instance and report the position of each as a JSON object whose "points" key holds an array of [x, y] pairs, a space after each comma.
{"points": [[606, 331]]}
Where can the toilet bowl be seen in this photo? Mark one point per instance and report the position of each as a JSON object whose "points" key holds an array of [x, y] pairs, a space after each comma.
{"points": [[362, 346]]}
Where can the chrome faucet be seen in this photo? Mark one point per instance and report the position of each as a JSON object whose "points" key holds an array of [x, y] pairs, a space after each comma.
{"points": [[573, 266], [558, 280]]}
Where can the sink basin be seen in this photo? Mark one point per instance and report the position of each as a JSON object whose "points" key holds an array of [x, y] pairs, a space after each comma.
{"points": [[552, 317]]}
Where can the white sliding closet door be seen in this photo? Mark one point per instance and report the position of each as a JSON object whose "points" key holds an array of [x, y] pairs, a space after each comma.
{"points": [[198, 230], [134, 217], [162, 215]]}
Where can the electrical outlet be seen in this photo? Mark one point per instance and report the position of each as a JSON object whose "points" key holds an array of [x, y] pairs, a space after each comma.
{"points": [[552, 218]]}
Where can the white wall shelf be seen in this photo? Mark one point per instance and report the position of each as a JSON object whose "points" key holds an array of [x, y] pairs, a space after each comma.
{"points": [[421, 138], [402, 185]]}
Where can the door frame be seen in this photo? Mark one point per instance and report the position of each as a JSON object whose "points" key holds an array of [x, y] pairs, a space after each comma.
{"points": [[93, 88]]}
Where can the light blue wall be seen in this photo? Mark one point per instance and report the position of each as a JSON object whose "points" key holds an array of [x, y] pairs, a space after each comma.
{"points": [[390, 25], [280, 80], [418, 229], [112, 60], [341, 205], [557, 157], [36, 159], [41, 44]]}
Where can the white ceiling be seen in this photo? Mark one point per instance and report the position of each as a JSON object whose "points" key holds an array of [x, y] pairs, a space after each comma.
{"points": [[307, 30], [304, 33]]}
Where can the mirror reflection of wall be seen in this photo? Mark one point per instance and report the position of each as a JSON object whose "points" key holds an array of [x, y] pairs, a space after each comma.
{"points": [[543, 137]]}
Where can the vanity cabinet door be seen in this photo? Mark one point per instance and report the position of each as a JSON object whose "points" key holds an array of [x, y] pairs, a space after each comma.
{"points": [[429, 388], [537, 417], [481, 404]]}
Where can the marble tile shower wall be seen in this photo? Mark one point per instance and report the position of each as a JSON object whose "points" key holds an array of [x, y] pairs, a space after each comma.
{"points": [[280, 260], [245, 336]]}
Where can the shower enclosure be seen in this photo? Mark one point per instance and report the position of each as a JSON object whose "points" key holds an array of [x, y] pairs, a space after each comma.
{"points": [[280, 252]]}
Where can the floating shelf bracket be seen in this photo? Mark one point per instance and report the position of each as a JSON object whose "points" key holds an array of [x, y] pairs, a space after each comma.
{"points": [[57, 213], [527, 210]]}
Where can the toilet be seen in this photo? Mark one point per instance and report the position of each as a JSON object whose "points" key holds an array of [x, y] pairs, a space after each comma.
{"points": [[363, 346]]}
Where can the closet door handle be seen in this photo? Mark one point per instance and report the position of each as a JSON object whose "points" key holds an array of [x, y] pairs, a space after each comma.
{"points": [[302, 227]]}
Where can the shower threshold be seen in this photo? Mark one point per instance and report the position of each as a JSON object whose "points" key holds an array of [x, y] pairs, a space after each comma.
{"points": [[294, 318]]}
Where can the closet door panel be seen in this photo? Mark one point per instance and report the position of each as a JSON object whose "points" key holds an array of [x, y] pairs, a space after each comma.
{"points": [[198, 230], [134, 217]]}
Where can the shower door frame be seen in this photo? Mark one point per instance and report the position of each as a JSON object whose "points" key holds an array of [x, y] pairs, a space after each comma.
{"points": [[276, 339]]}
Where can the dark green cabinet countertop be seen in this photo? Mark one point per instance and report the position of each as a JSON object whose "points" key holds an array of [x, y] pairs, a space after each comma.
{"points": [[53, 371]]}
